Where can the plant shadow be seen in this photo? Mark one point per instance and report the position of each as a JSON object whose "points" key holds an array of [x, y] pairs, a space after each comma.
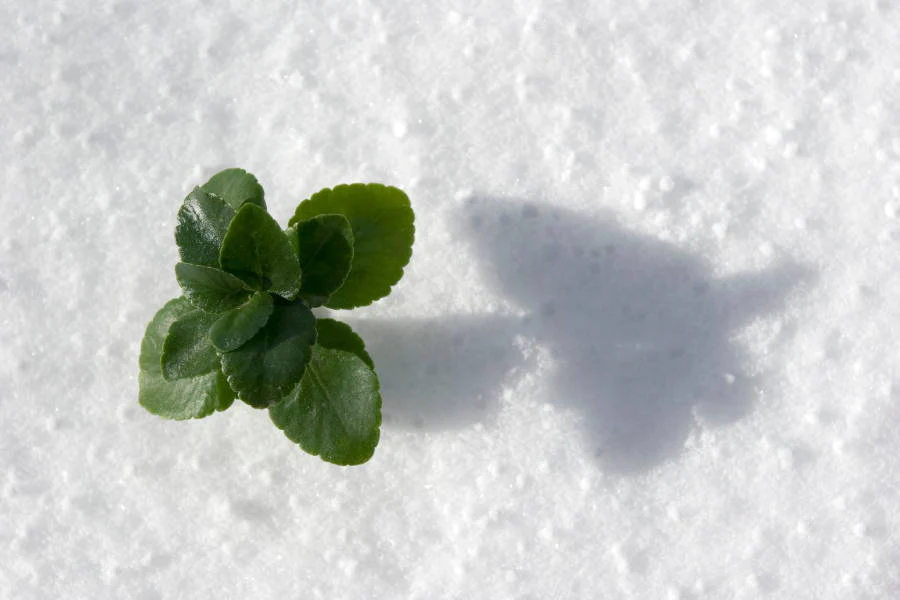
{"points": [[640, 333], [439, 374]]}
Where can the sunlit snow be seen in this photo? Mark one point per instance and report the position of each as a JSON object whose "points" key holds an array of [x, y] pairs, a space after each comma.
{"points": [[645, 347]]}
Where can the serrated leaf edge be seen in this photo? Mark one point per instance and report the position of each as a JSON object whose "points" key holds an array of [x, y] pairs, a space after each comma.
{"points": [[293, 220]]}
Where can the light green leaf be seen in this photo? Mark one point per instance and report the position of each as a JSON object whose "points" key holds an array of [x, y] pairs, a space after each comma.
{"points": [[210, 288], [264, 369], [324, 245], [202, 222], [335, 335], [187, 350], [335, 412], [383, 231], [257, 251], [193, 397], [236, 186], [234, 328]]}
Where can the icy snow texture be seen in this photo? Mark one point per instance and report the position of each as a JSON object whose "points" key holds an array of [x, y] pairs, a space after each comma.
{"points": [[646, 347]]}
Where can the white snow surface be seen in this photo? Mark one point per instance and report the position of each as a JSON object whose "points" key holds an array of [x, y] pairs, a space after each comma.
{"points": [[645, 348]]}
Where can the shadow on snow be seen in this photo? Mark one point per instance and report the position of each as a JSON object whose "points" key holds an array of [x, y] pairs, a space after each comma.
{"points": [[637, 330]]}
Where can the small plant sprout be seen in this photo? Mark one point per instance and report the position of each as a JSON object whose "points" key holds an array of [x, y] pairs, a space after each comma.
{"points": [[244, 326]]}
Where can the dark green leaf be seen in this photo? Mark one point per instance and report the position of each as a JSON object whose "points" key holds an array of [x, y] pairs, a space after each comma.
{"points": [[234, 328], [335, 335], [257, 251], [236, 186], [335, 412], [324, 245], [383, 230], [187, 350], [188, 398], [202, 222], [264, 369], [210, 288]]}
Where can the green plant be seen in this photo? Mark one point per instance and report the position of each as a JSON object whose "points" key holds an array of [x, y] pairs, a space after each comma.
{"points": [[244, 326]]}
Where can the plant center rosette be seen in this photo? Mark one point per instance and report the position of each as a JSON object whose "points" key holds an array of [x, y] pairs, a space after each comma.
{"points": [[244, 326]]}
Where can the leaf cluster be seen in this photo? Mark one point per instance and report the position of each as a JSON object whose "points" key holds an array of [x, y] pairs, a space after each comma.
{"points": [[244, 327]]}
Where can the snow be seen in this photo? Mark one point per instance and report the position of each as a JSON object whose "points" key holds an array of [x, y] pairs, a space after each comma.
{"points": [[645, 347]]}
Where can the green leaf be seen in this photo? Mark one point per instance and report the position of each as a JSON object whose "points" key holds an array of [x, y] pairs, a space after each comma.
{"points": [[202, 222], [187, 350], [383, 230], [193, 397], [264, 369], [236, 186], [335, 335], [258, 252], [234, 328], [324, 245], [209, 288], [335, 412]]}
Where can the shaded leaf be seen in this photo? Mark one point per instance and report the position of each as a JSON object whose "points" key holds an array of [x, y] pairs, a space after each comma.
{"points": [[324, 245], [210, 288], [335, 335], [188, 398], [382, 221], [187, 350], [234, 328], [258, 252], [264, 369], [236, 186], [202, 222], [335, 412]]}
